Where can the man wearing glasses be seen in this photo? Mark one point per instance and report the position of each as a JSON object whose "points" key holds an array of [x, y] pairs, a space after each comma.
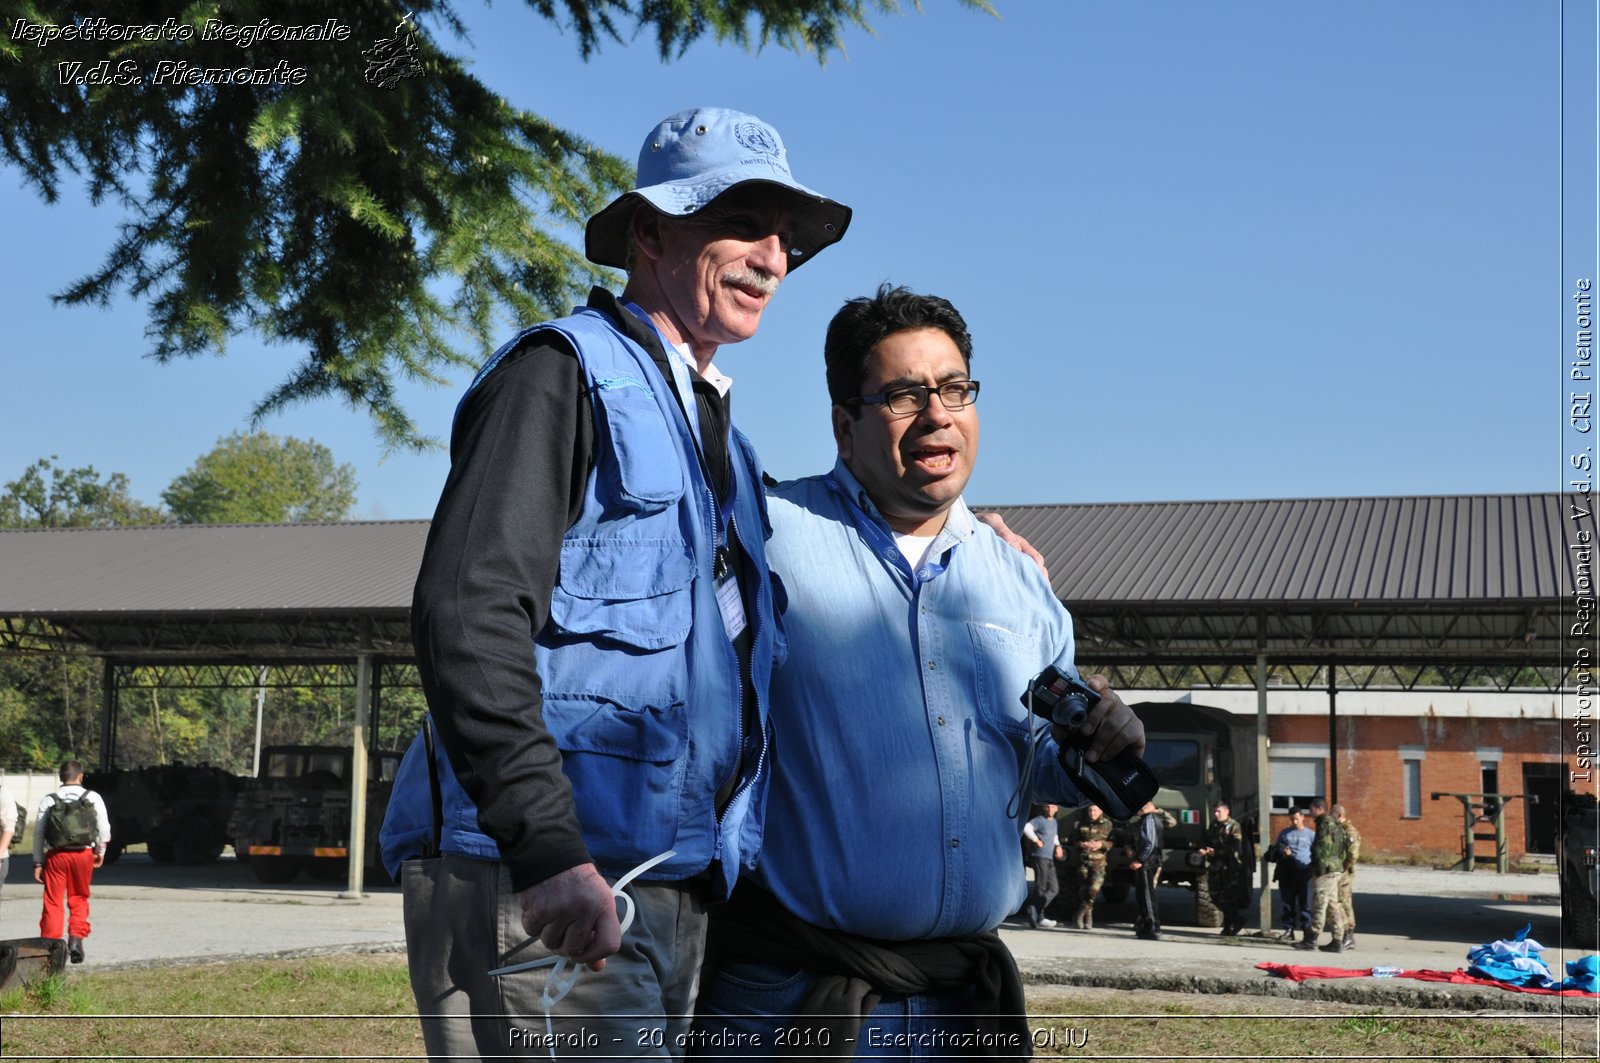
{"points": [[905, 760]]}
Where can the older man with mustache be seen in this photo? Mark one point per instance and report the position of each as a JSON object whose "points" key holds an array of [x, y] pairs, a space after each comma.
{"points": [[595, 626]]}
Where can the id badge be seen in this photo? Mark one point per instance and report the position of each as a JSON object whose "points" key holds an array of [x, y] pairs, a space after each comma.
{"points": [[730, 603]]}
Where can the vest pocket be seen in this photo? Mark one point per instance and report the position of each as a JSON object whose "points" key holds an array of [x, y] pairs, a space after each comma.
{"points": [[616, 682], [633, 591], [626, 764], [646, 474]]}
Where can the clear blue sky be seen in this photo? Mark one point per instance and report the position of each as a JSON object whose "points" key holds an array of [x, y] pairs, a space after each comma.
{"points": [[1207, 250]]}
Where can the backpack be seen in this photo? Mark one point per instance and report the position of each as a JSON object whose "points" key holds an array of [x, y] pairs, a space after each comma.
{"points": [[70, 823]]}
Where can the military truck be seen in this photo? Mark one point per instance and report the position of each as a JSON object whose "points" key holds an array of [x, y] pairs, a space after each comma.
{"points": [[1201, 755], [1576, 842], [180, 812], [295, 815]]}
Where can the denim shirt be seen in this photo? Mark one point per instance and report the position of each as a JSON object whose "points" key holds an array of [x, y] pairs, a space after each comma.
{"points": [[900, 738]]}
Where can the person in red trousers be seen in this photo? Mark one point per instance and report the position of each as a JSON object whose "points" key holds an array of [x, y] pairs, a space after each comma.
{"points": [[68, 844]]}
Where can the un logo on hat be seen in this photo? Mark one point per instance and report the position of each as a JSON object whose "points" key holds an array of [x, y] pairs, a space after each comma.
{"points": [[754, 136]]}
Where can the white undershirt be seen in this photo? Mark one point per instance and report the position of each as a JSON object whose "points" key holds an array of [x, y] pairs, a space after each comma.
{"points": [[915, 547]]}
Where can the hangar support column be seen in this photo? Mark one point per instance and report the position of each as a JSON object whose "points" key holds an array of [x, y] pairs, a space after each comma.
{"points": [[1263, 793], [357, 842], [108, 713]]}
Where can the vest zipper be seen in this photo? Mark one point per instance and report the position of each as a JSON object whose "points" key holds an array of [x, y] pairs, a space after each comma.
{"points": [[761, 755]]}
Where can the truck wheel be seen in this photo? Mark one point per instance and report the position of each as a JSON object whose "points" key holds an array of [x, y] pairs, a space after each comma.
{"points": [[1578, 915], [1115, 891], [1205, 912], [113, 851], [328, 868], [275, 870], [197, 843], [160, 852]]}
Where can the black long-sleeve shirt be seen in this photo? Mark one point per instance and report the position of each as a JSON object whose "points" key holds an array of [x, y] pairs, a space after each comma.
{"points": [[520, 456]]}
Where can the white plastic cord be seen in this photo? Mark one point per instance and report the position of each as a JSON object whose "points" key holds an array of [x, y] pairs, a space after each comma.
{"points": [[563, 972]]}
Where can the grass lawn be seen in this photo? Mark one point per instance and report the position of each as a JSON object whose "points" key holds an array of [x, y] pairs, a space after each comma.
{"points": [[360, 1007]]}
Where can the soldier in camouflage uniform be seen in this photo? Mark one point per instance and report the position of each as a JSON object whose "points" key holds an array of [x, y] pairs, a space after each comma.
{"points": [[1092, 841], [1227, 874], [1329, 853], [1347, 880]]}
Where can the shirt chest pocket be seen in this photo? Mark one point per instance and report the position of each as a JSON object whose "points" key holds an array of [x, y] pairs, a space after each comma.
{"points": [[1003, 663]]}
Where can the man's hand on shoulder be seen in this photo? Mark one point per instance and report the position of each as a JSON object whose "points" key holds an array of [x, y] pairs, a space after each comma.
{"points": [[574, 914], [1013, 540], [1110, 725]]}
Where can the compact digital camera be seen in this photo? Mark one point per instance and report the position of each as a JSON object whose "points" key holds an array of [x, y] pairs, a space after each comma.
{"points": [[1121, 785]]}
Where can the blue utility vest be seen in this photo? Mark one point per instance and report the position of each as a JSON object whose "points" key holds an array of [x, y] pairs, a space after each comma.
{"points": [[641, 686]]}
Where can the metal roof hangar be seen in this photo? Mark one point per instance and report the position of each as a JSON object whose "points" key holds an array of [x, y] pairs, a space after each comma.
{"points": [[1383, 591], [1475, 588]]}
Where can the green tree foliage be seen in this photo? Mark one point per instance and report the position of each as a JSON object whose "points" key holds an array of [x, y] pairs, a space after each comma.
{"points": [[49, 709], [368, 223], [48, 496], [262, 478]]}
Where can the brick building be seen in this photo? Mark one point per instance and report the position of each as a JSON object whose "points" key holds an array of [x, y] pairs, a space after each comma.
{"points": [[1412, 603], [1394, 750]]}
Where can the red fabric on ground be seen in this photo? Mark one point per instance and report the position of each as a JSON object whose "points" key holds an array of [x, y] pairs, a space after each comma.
{"points": [[1297, 973], [66, 879], [1464, 978]]}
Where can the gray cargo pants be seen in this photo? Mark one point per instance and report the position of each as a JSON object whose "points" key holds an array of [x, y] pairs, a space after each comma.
{"points": [[463, 920]]}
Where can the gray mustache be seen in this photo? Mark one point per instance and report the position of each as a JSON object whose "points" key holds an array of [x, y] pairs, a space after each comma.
{"points": [[766, 283]]}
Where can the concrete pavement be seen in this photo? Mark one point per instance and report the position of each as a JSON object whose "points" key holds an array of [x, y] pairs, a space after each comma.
{"points": [[146, 913], [142, 912], [1410, 918]]}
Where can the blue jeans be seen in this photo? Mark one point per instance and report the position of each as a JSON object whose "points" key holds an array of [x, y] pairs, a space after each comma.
{"points": [[749, 1010]]}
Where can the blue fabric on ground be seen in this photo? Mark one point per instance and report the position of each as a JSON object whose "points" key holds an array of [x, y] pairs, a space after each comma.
{"points": [[1514, 960]]}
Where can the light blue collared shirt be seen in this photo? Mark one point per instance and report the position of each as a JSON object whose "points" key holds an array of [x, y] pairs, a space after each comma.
{"points": [[899, 733]]}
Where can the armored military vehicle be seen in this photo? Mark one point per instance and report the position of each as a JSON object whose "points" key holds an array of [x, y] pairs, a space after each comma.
{"points": [[1577, 840], [1201, 755], [180, 812], [295, 816]]}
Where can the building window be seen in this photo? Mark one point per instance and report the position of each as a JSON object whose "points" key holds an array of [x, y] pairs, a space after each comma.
{"points": [[1295, 781], [1489, 776], [1413, 788]]}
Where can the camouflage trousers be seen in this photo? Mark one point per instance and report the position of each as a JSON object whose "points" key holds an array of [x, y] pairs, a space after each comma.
{"points": [[1326, 905], [1229, 885], [1091, 877], [1347, 898]]}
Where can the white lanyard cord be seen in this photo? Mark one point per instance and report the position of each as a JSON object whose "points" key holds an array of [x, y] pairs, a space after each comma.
{"points": [[563, 972]]}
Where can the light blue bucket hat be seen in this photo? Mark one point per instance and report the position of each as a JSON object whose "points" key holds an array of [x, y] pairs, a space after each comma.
{"points": [[696, 155]]}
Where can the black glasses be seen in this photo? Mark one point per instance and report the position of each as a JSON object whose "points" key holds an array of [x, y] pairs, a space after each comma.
{"points": [[913, 398]]}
